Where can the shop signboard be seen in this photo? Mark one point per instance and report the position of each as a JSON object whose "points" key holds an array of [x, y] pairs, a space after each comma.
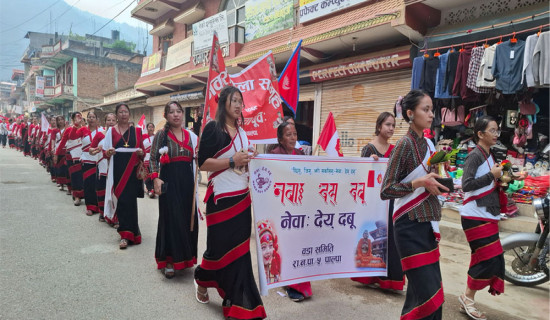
{"points": [[313, 9], [178, 54], [391, 61], [151, 64], [39, 86], [264, 17], [204, 29]]}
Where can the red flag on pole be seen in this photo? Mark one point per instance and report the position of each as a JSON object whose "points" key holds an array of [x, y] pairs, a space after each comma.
{"points": [[328, 140], [141, 124], [217, 79], [289, 80]]}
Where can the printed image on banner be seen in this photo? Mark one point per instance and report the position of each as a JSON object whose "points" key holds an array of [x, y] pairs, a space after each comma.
{"points": [[264, 17], [204, 29], [151, 64], [313, 9], [318, 218], [262, 110]]}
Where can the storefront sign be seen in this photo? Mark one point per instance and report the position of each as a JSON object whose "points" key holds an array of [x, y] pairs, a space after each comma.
{"points": [[151, 64], [391, 61], [318, 218], [123, 95], [204, 29], [202, 57], [313, 9], [39, 87], [178, 54], [264, 17], [195, 95]]}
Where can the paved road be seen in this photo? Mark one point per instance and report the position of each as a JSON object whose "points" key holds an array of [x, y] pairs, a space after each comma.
{"points": [[57, 263]]}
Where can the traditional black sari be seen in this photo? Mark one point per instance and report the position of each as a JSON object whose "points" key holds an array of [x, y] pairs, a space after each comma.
{"points": [[226, 263], [175, 243]]}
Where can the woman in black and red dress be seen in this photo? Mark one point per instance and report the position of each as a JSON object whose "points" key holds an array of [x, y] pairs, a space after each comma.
{"points": [[176, 246], [59, 160], [380, 147], [226, 263], [89, 162], [417, 211], [123, 145], [71, 144]]}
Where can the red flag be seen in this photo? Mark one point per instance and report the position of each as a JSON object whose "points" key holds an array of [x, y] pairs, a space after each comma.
{"points": [[263, 109], [217, 79], [289, 80], [141, 124], [328, 140], [370, 179]]}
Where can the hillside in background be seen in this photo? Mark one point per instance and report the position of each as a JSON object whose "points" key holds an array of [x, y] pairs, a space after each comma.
{"points": [[64, 20]]}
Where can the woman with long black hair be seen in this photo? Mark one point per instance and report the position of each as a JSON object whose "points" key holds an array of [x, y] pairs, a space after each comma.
{"points": [[89, 163], [123, 145], [102, 165], [226, 263], [72, 145], [380, 147], [176, 246], [480, 213], [59, 160], [417, 210]]}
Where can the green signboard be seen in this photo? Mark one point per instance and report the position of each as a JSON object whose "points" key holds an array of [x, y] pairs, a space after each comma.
{"points": [[264, 17]]}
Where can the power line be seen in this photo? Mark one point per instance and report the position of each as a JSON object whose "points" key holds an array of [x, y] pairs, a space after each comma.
{"points": [[22, 23], [49, 23], [118, 14]]}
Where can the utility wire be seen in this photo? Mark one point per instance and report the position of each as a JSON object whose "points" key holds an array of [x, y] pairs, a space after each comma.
{"points": [[49, 23], [36, 15], [118, 14]]}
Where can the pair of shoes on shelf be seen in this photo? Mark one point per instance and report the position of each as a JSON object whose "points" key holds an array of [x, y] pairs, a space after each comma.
{"points": [[204, 295], [294, 295]]}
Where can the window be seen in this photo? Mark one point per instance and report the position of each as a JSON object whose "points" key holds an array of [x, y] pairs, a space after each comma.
{"points": [[69, 76], [59, 76], [236, 16], [165, 42], [48, 81]]}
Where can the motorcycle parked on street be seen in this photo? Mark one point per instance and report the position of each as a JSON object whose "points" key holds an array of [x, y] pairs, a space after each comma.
{"points": [[526, 254]]}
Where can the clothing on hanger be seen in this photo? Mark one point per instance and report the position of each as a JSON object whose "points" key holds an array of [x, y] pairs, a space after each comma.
{"points": [[473, 70], [527, 72], [485, 75], [418, 66], [508, 66], [541, 60]]}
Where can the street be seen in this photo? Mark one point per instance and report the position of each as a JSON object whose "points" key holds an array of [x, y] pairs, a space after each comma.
{"points": [[58, 263]]}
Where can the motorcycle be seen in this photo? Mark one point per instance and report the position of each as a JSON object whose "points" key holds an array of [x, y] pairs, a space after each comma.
{"points": [[526, 255]]}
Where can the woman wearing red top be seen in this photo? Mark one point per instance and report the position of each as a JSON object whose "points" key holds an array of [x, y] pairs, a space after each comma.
{"points": [[380, 147], [102, 165], [89, 171], [147, 143], [73, 144]]}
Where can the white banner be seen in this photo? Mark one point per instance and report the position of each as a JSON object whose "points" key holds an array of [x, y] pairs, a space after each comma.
{"points": [[318, 218], [39, 86], [204, 29], [310, 10], [178, 54]]}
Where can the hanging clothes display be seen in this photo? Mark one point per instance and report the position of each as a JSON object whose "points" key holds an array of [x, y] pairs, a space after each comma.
{"points": [[485, 77], [418, 66], [475, 63], [541, 60], [427, 79], [527, 71], [460, 88], [441, 91], [508, 66]]}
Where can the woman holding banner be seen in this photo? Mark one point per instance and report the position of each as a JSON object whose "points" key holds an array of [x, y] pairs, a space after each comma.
{"points": [[226, 264], [380, 147], [287, 137], [124, 146], [416, 210], [174, 148]]}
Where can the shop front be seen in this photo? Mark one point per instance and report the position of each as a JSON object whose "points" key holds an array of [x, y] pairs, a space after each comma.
{"points": [[356, 90]]}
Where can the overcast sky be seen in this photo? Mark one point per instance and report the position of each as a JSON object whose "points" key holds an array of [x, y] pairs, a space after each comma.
{"points": [[108, 9]]}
